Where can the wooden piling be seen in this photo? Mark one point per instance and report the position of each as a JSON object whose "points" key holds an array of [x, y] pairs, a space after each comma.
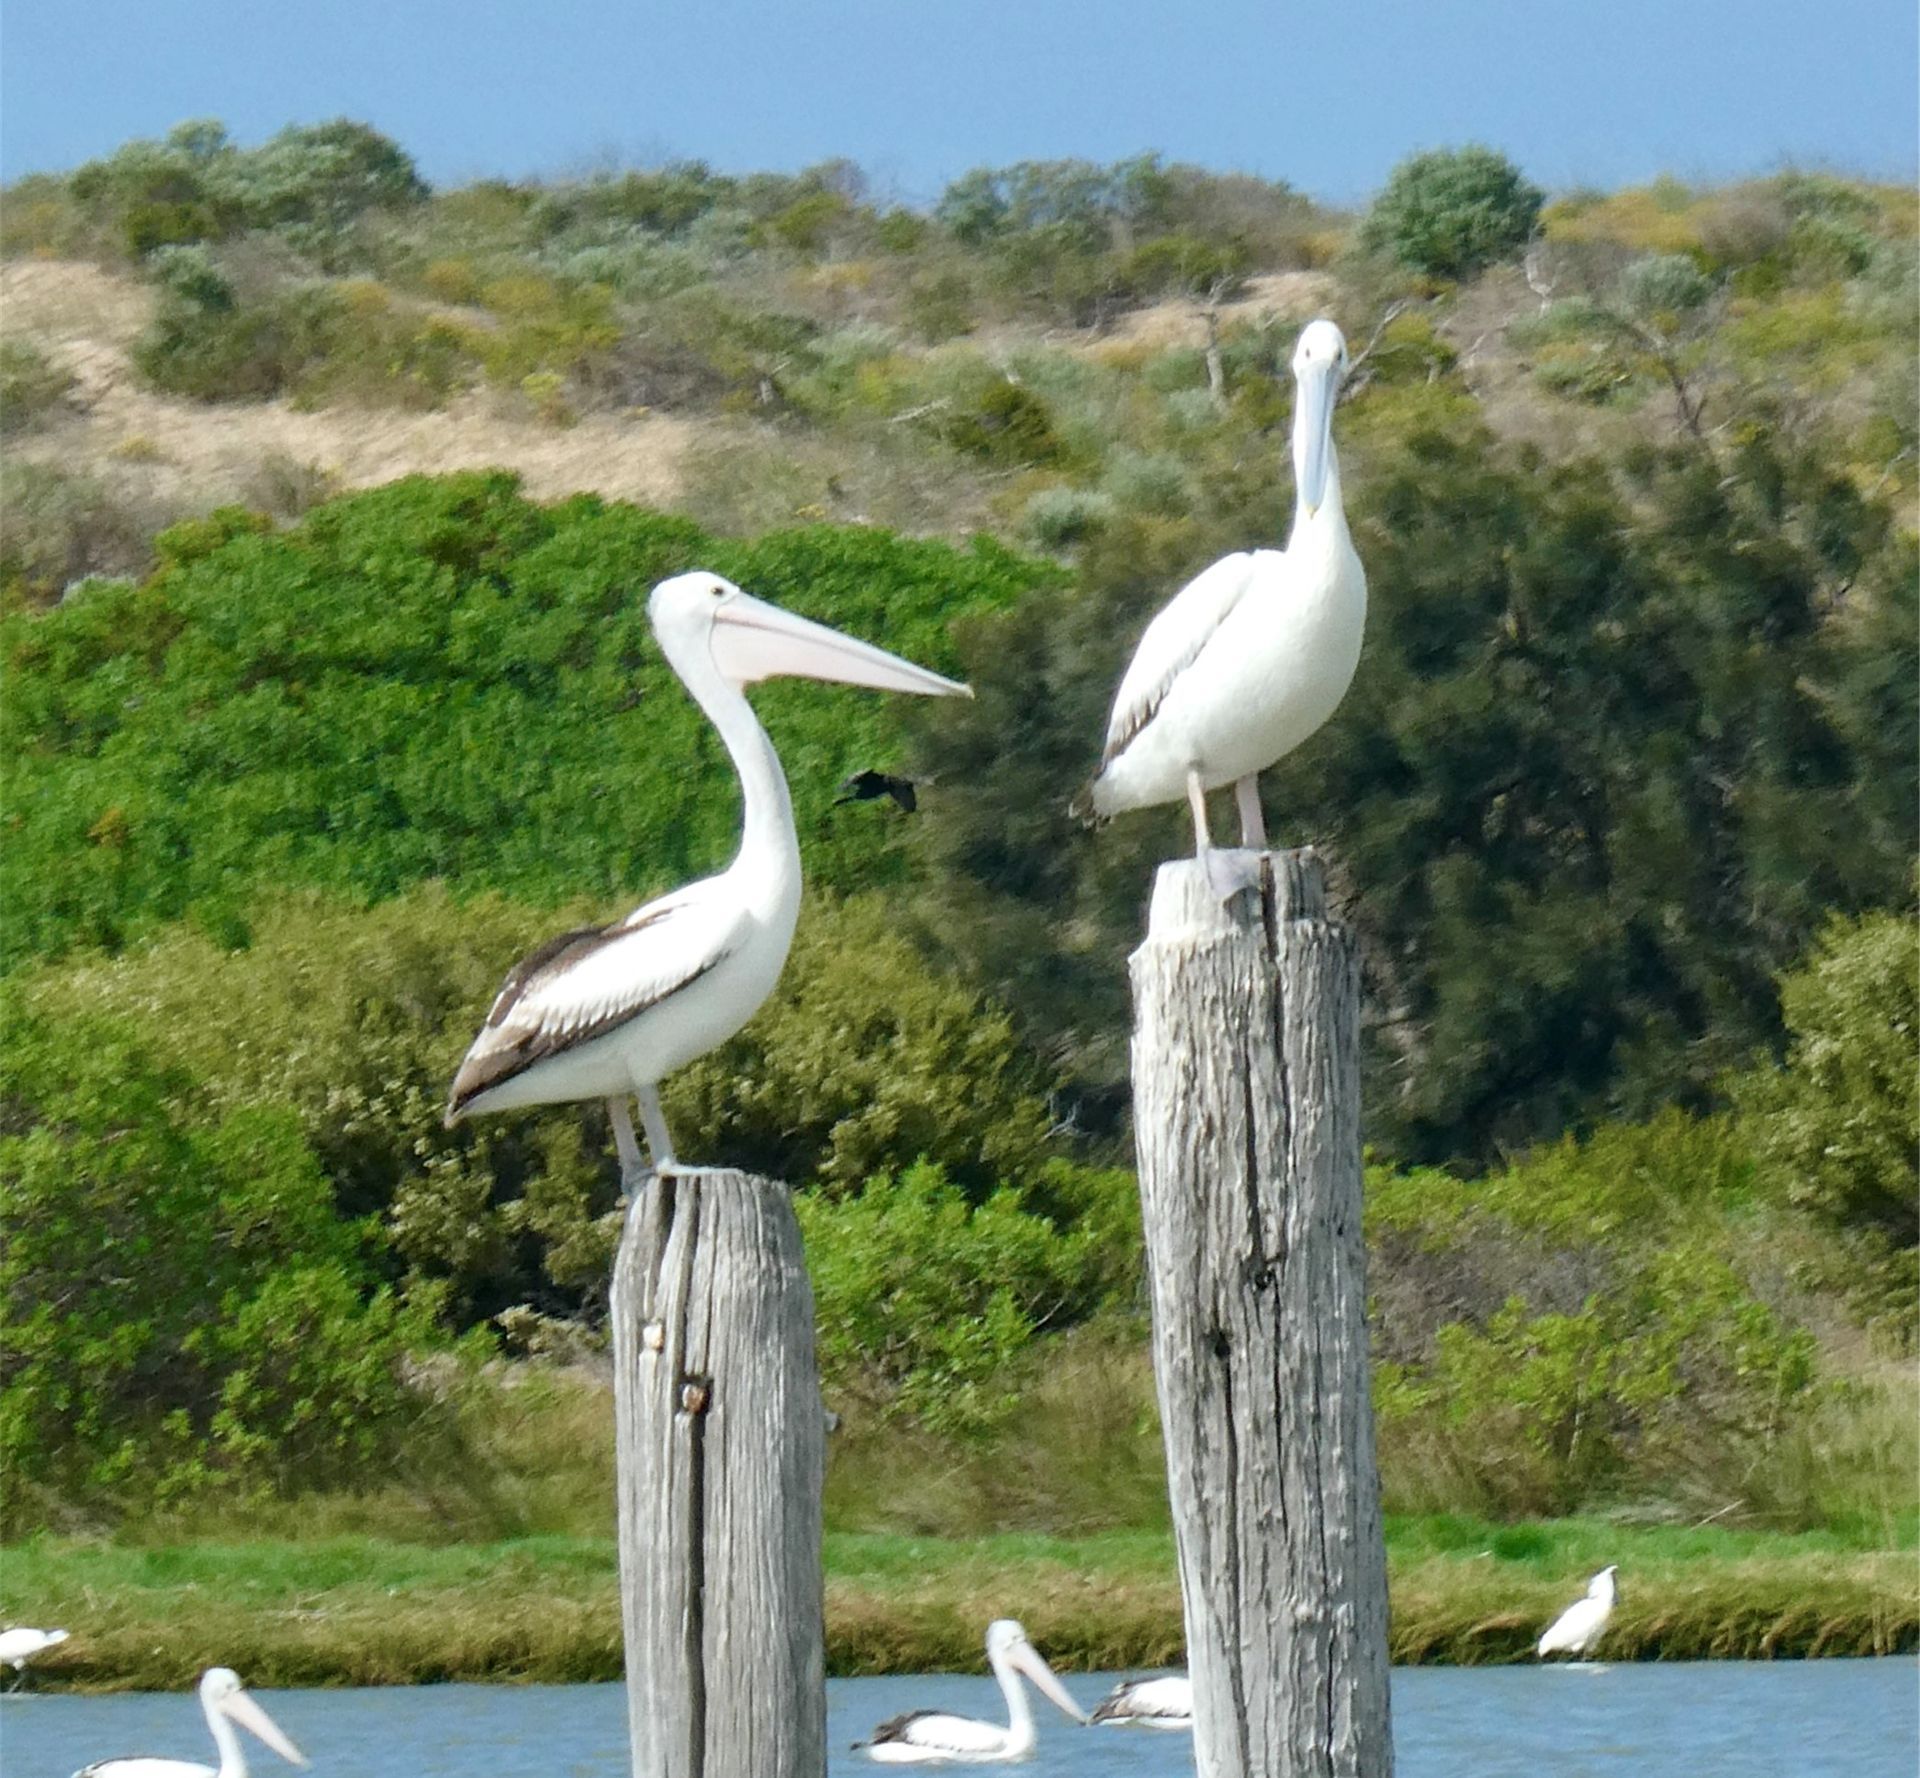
{"points": [[1246, 1117], [721, 1458]]}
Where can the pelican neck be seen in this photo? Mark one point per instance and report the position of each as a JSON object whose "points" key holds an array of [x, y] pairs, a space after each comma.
{"points": [[1020, 1733], [769, 848], [226, 1740]]}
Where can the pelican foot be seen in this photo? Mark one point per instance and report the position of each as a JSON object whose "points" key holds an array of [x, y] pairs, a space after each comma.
{"points": [[1231, 871]]}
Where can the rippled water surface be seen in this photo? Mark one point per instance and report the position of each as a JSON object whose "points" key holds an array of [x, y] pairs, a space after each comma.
{"points": [[1712, 1720]]}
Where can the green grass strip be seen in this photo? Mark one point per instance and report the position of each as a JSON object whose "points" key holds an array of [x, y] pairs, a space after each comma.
{"points": [[362, 1611]]}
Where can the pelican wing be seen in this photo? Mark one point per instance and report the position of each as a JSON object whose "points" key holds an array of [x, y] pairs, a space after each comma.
{"points": [[1173, 641], [585, 983], [1165, 1700], [935, 1729], [1575, 1628], [146, 1765]]}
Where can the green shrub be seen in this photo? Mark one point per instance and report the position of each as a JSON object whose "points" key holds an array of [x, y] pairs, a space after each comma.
{"points": [[32, 387], [63, 528], [1450, 212], [352, 1021], [434, 679], [1059, 518], [927, 1304], [1584, 1326], [1838, 1124], [181, 1307]]}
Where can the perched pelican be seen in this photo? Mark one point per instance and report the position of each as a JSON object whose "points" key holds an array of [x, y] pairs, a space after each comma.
{"points": [[225, 1701], [21, 1645], [609, 1010], [927, 1737], [1254, 653], [1165, 1703], [1577, 1629]]}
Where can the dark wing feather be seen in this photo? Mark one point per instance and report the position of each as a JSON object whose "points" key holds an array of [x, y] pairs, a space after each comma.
{"points": [[533, 1016], [894, 1728]]}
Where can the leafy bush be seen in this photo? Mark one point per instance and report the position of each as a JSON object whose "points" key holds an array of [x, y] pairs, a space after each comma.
{"points": [[1839, 1123], [351, 1021], [1585, 1323], [182, 1309], [1450, 212], [437, 678], [63, 528], [929, 1303], [310, 181], [31, 387]]}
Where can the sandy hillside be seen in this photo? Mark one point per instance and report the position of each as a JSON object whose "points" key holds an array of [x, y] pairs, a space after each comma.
{"points": [[192, 452]]}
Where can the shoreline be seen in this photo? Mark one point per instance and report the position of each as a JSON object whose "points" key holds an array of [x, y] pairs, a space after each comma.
{"points": [[361, 1611]]}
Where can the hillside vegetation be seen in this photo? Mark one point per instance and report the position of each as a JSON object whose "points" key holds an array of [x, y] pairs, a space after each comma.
{"points": [[1621, 805]]}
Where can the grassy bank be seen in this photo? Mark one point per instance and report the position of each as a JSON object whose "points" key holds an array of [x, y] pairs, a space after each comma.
{"points": [[357, 1611]]}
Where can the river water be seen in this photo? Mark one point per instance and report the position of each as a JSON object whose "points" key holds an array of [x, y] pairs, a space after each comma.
{"points": [[1722, 1719]]}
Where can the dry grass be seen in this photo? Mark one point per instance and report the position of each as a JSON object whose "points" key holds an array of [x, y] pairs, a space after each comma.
{"points": [[193, 456]]}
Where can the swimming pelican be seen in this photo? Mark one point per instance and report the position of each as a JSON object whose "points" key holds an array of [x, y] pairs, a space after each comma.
{"points": [[225, 1701], [1253, 654], [1165, 1703], [21, 1645], [929, 1737], [1577, 1629], [607, 1011]]}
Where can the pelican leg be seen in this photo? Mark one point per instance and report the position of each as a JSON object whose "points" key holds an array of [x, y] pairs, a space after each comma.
{"points": [[1229, 872], [1197, 802], [633, 1170], [1253, 819], [659, 1143]]}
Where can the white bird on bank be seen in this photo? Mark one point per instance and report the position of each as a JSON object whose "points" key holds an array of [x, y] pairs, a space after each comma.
{"points": [[1577, 1629], [608, 1011], [931, 1737], [1164, 1703], [1253, 654], [20, 1645], [225, 1701]]}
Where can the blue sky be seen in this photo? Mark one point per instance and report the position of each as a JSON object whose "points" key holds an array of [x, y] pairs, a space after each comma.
{"points": [[918, 91]]}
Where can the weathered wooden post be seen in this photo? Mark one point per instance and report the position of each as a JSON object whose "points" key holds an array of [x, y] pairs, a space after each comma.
{"points": [[1246, 1115], [722, 1457]]}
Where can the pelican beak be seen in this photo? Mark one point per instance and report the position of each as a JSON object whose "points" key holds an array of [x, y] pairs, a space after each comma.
{"points": [[753, 640], [1027, 1658], [1315, 384], [251, 1717]]}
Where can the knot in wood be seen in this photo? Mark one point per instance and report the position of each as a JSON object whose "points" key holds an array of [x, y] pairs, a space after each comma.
{"points": [[654, 1336], [694, 1395]]}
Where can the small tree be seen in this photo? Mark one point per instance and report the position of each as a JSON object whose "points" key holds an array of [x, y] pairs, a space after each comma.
{"points": [[1450, 212], [1841, 1122]]}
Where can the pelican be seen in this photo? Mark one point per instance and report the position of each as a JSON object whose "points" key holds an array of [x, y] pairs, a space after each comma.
{"points": [[20, 1645], [930, 1737], [1577, 1629], [608, 1011], [1253, 654], [225, 1701], [1165, 1703]]}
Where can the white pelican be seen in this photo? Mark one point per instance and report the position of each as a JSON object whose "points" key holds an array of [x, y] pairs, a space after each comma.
{"points": [[609, 1010], [931, 1737], [1577, 1629], [1165, 1703], [225, 1701], [1254, 653], [20, 1645]]}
